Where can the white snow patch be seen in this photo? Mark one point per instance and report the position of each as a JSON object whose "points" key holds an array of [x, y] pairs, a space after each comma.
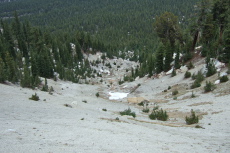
{"points": [[217, 82], [117, 95], [169, 72], [223, 74]]}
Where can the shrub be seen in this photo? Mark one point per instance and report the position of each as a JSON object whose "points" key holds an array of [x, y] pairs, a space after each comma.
{"points": [[224, 78], [45, 87], [199, 78], [174, 98], [193, 95], [97, 94], [209, 87], [173, 73], [169, 87], [211, 67], [187, 74], [104, 109], [145, 110], [34, 97], [128, 112], [190, 65], [192, 119], [175, 92], [194, 76], [141, 103], [159, 115], [195, 84]]}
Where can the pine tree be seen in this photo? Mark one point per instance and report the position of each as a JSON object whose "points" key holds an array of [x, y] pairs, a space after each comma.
{"points": [[177, 60], [160, 58], [11, 69], [168, 57], [26, 80], [2, 71]]}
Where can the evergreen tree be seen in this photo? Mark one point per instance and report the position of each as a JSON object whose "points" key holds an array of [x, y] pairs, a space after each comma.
{"points": [[167, 28], [220, 15], [2, 71], [11, 70], [168, 57], [160, 58], [26, 80], [177, 60]]}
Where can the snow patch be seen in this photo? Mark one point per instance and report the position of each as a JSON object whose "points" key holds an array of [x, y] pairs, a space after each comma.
{"points": [[117, 95], [217, 82]]}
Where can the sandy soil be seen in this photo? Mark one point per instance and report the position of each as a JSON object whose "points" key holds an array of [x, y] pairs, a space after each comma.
{"points": [[49, 126]]}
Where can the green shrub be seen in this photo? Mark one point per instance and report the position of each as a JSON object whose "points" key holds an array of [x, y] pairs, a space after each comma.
{"points": [[211, 68], [141, 103], [193, 95], [175, 92], [104, 109], [187, 74], [194, 76], [173, 73], [224, 78], [145, 110], [174, 98], [45, 87], [169, 87], [159, 115], [128, 112], [199, 78], [190, 65], [209, 87], [34, 97], [97, 94], [192, 119], [195, 84]]}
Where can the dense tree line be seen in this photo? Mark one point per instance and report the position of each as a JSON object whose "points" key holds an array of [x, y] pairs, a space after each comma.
{"points": [[209, 28], [27, 53], [117, 23]]}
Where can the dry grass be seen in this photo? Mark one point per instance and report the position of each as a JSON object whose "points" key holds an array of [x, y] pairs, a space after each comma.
{"points": [[201, 103], [216, 112], [158, 101]]}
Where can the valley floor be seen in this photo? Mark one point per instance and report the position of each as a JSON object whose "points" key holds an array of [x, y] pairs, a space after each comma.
{"points": [[49, 126]]}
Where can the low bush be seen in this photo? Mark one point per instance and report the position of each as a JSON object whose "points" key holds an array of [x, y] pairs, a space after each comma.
{"points": [[128, 112], [145, 110], [211, 69], [193, 95], [97, 94], [224, 78], [159, 115], [173, 73], [174, 98], [209, 87], [34, 97], [175, 92], [104, 109], [195, 84], [193, 119], [187, 74], [199, 78], [190, 65]]}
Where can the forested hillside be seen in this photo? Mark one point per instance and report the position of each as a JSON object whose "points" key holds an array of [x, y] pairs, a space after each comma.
{"points": [[117, 23], [52, 42]]}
